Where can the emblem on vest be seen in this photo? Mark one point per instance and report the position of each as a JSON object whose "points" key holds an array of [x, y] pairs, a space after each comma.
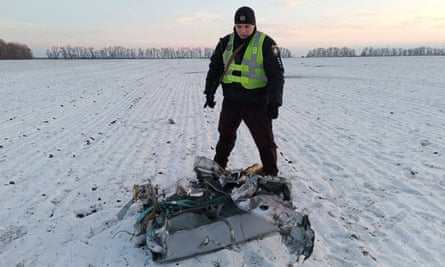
{"points": [[254, 50]]}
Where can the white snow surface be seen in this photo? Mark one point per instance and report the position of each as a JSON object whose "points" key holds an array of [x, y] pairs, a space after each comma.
{"points": [[361, 139]]}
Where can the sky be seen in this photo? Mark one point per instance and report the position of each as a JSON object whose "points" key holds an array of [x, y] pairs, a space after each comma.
{"points": [[298, 25]]}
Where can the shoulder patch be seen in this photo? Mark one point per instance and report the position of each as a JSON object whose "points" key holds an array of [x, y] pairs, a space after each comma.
{"points": [[275, 50]]}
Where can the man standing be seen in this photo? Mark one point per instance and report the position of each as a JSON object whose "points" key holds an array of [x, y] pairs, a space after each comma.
{"points": [[248, 65]]}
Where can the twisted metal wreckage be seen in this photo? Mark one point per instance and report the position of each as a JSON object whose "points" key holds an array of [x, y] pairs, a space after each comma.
{"points": [[218, 210]]}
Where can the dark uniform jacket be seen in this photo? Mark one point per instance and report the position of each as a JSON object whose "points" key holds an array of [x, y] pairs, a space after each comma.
{"points": [[271, 94]]}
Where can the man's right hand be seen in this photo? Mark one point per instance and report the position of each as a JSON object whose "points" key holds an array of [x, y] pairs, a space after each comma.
{"points": [[210, 101]]}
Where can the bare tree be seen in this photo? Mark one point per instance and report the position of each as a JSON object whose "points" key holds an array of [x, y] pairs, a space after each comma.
{"points": [[119, 52], [14, 51], [331, 52], [3, 49], [376, 52]]}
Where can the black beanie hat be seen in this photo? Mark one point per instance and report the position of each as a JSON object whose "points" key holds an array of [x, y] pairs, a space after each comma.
{"points": [[245, 15]]}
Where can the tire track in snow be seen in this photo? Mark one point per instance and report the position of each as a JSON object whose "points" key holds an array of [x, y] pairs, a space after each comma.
{"points": [[52, 140], [340, 131], [353, 164]]}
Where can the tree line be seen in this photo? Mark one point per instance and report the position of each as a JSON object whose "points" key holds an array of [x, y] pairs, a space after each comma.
{"points": [[375, 52], [14, 51], [119, 52]]}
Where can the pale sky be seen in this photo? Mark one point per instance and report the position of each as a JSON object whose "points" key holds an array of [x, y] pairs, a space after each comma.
{"points": [[298, 25]]}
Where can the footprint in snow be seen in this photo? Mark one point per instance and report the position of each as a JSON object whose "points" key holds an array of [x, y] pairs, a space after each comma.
{"points": [[410, 173], [425, 142], [10, 233], [82, 213]]}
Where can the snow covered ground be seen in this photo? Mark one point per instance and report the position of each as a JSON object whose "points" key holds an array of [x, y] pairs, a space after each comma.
{"points": [[362, 139]]}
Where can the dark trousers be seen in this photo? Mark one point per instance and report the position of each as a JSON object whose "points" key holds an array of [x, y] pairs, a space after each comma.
{"points": [[260, 126]]}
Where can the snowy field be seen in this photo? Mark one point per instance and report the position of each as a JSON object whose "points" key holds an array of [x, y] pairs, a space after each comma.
{"points": [[362, 140]]}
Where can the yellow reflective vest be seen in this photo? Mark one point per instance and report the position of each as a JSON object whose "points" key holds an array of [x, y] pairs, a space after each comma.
{"points": [[253, 75]]}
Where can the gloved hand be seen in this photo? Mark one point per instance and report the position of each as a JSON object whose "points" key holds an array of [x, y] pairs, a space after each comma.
{"points": [[210, 101], [272, 111]]}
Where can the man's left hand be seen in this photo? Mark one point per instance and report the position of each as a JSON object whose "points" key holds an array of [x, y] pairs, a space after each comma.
{"points": [[272, 111]]}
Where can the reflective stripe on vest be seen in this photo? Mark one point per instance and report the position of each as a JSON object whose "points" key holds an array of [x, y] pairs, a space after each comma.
{"points": [[253, 75]]}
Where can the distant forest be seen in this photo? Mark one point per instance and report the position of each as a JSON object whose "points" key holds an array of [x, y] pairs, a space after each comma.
{"points": [[14, 51], [375, 52], [11, 50], [118, 52]]}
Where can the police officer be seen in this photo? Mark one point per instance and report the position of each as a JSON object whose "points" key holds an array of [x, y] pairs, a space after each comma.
{"points": [[248, 65]]}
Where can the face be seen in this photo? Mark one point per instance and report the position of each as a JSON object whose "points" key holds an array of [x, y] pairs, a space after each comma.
{"points": [[244, 30]]}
